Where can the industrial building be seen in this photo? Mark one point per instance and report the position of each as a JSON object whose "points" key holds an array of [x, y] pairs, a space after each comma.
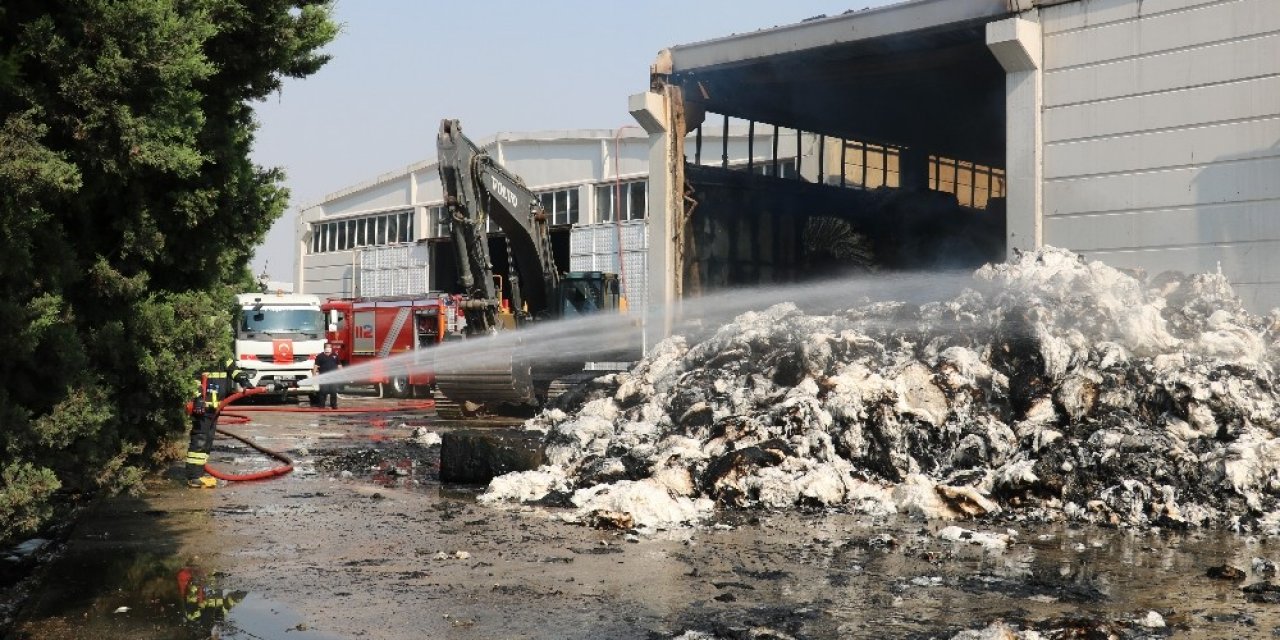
{"points": [[389, 236], [1143, 133], [930, 134]]}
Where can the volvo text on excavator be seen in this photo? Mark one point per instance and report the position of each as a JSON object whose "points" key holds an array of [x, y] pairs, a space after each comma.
{"points": [[476, 190]]}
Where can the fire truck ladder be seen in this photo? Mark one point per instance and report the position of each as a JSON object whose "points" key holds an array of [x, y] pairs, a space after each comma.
{"points": [[402, 316]]}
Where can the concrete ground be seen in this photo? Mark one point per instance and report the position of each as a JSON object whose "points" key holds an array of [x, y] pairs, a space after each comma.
{"points": [[362, 541]]}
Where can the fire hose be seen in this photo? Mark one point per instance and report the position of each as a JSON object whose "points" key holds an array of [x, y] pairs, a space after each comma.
{"points": [[287, 467]]}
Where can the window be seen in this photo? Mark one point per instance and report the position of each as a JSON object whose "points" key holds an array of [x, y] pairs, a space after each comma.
{"points": [[548, 201], [440, 222], [367, 231], [561, 205], [281, 321], [973, 184], [869, 166], [635, 200], [572, 217]]}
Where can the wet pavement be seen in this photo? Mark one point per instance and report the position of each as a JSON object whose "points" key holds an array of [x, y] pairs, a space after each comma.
{"points": [[363, 542]]}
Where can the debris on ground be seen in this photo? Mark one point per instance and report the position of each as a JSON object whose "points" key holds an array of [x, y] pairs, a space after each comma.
{"points": [[1150, 624], [988, 541], [425, 437], [1225, 572], [1053, 389], [389, 464]]}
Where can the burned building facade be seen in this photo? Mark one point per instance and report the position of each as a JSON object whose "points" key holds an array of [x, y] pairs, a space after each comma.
{"points": [[939, 134]]}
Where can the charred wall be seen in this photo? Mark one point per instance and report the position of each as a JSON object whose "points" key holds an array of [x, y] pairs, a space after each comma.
{"points": [[748, 230], [930, 105]]}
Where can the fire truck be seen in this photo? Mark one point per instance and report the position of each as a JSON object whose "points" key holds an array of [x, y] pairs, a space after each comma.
{"points": [[364, 330], [277, 338]]}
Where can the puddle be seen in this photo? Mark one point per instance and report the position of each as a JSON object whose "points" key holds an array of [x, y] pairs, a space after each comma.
{"points": [[840, 581], [257, 618]]}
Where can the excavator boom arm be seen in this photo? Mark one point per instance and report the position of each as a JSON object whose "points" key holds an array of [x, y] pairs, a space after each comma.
{"points": [[478, 189]]}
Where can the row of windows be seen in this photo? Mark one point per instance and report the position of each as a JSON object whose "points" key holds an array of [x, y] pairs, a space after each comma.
{"points": [[868, 166], [563, 206], [974, 184], [633, 195], [367, 231]]}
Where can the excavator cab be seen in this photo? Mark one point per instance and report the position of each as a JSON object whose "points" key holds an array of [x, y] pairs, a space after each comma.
{"points": [[586, 292]]}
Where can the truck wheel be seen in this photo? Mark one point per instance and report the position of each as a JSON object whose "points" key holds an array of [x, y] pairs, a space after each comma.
{"points": [[398, 386]]}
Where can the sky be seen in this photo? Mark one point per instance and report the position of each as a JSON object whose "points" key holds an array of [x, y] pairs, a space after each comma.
{"points": [[400, 66]]}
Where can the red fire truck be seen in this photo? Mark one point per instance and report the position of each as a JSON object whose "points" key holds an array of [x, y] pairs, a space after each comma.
{"points": [[366, 330]]}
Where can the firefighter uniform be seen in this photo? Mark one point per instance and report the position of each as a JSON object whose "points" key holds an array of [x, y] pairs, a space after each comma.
{"points": [[214, 388], [203, 601]]}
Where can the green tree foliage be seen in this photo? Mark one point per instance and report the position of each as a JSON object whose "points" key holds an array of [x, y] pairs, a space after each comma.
{"points": [[129, 210]]}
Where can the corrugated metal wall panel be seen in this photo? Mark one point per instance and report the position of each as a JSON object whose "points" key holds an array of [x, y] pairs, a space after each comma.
{"points": [[1193, 27], [1163, 149], [1162, 136], [1220, 62], [1221, 181], [1166, 227], [1235, 101], [1251, 262], [1092, 13], [1259, 296]]}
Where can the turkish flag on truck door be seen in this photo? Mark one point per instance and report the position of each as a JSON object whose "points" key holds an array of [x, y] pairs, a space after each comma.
{"points": [[282, 349]]}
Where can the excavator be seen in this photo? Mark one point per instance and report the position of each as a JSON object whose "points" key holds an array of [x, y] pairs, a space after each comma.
{"points": [[478, 189]]}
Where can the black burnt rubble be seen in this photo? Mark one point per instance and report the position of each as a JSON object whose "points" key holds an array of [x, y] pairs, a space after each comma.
{"points": [[1052, 389]]}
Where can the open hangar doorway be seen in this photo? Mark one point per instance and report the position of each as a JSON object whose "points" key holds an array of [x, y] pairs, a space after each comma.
{"points": [[882, 154]]}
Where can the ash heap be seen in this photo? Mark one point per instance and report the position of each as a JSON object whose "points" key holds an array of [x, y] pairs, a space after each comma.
{"points": [[1054, 388]]}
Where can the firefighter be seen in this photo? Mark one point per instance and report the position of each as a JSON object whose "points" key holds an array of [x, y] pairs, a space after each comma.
{"points": [[204, 422], [214, 389], [201, 600], [325, 363]]}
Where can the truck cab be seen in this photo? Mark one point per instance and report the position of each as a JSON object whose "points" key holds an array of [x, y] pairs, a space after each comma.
{"points": [[278, 336]]}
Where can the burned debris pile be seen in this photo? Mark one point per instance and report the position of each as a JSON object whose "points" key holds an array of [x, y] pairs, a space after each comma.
{"points": [[1053, 388]]}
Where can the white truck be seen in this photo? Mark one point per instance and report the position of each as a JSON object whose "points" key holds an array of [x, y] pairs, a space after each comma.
{"points": [[278, 336]]}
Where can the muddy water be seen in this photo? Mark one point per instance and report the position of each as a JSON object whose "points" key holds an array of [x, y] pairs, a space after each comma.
{"points": [[383, 551]]}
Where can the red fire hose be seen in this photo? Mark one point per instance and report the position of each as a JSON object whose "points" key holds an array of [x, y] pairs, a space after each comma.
{"points": [[239, 418]]}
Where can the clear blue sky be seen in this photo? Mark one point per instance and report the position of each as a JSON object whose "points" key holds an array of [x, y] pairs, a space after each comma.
{"points": [[399, 66]]}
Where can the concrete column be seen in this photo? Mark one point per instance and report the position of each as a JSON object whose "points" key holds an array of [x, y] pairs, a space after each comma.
{"points": [[302, 231], [1018, 44], [653, 110]]}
